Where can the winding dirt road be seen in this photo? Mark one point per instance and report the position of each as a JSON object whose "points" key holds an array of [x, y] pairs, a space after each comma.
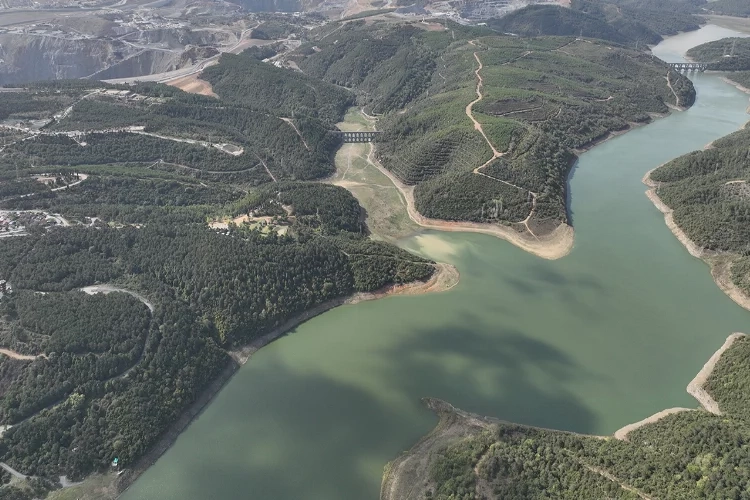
{"points": [[495, 153], [676, 97], [290, 122], [18, 355]]}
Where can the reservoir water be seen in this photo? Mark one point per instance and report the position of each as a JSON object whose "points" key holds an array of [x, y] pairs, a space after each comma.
{"points": [[606, 336]]}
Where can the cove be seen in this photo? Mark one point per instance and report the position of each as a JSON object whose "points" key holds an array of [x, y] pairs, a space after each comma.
{"points": [[606, 336]]}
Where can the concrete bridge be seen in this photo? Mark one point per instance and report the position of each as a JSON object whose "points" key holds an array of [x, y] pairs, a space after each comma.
{"points": [[349, 137], [694, 66]]}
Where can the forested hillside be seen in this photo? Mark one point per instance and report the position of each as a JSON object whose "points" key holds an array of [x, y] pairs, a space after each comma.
{"points": [[542, 99], [688, 454], [629, 22], [190, 213], [709, 193], [246, 80], [388, 66], [742, 78], [728, 54], [739, 8]]}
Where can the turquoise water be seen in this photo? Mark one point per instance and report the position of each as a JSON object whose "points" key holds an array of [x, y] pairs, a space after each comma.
{"points": [[603, 337]]}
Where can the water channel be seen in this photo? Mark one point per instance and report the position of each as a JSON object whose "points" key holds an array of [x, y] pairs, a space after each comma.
{"points": [[603, 337]]}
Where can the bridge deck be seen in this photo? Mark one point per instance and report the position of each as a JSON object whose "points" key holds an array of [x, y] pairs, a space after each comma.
{"points": [[352, 137], [689, 66]]}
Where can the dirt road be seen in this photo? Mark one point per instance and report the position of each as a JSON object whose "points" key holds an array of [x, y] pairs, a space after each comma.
{"points": [[91, 290]]}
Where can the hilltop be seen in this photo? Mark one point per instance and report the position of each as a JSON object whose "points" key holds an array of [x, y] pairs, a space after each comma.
{"points": [[627, 22], [491, 145], [728, 54]]}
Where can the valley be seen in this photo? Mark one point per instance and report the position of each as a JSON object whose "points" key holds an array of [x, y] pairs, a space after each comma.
{"points": [[155, 240]]}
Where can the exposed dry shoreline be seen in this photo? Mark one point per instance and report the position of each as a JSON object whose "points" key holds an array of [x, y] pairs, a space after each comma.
{"points": [[407, 476], [446, 276], [720, 268], [695, 388], [555, 245], [735, 84], [552, 246]]}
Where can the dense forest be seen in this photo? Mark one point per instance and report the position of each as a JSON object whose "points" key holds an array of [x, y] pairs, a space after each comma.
{"points": [[742, 78], [738, 8], [137, 182], [97, 357], [628, 22], [539, 116], [728, 54], [690, 454], [709, 193], [282, 91]]}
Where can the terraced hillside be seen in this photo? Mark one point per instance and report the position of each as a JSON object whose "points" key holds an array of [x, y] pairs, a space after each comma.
{"points": [[494, 144]]}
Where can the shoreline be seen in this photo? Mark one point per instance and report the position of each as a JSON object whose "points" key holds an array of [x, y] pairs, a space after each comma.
{"points": [[719, 268], [738, 86], [445, 277], [552, 246], [695, 388], [410, 468]]}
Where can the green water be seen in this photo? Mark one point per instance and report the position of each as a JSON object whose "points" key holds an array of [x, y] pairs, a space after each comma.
{"points": [[603, 337]]}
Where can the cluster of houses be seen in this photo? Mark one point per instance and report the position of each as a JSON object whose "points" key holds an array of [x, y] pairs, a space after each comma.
{"points": [[15, 223]]}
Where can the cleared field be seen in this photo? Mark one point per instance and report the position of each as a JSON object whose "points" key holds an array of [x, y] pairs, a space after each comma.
{"points": [[193, 85], [385, 208]]}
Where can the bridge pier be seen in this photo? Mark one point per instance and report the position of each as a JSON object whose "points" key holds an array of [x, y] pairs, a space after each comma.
{"points": [[693, 66], [357, 137]]}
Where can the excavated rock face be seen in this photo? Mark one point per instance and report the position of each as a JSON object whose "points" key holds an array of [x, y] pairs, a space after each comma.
{"points": [[26, 57], [30, 57]]}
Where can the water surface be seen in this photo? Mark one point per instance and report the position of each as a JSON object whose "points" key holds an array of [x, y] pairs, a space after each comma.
{"points": [[603, 337]]}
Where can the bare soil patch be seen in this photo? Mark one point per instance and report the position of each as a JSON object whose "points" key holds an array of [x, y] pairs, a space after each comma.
{"points": [[193, 85]]}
